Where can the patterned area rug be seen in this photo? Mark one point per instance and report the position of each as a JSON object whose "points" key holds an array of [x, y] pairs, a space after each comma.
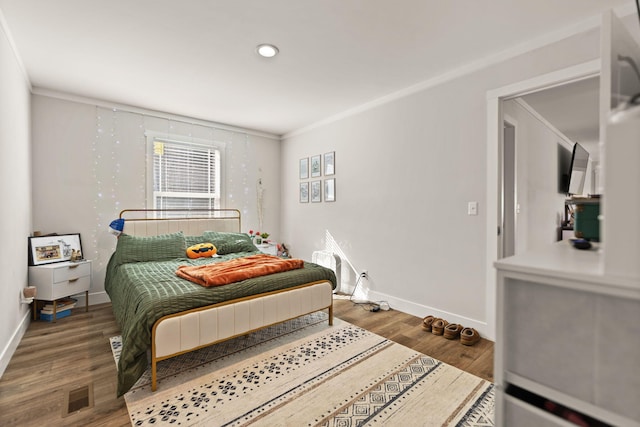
{"points": [[192, 362], [306, 373]]}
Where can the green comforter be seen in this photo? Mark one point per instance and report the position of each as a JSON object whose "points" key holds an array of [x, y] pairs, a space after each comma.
{"points": [[143, 292]]}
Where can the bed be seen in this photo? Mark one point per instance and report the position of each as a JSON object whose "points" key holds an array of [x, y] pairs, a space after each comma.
{"points": [[162, 315]]}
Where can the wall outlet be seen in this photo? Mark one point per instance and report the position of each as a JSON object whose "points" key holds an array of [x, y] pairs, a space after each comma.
{"points": [[365, 274]]}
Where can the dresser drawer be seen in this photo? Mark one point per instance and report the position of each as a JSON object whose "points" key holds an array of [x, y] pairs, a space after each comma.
{"points": [[579, 343], [521, 414], [70, 287], [71, 272], [54, 281]]}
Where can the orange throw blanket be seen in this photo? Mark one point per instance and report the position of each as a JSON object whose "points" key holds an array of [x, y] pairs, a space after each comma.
{"points": [[237, 269]]}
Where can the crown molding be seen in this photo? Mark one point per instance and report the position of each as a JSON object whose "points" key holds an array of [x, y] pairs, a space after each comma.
{"points": [[582, 27], [4, 27], [147, 112]]}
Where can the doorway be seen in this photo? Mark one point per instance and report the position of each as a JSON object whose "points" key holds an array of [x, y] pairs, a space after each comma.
{"points": [[495, 125]]}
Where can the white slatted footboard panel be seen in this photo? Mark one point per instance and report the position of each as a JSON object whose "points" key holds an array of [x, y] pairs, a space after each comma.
{"points": [[179, 334]]}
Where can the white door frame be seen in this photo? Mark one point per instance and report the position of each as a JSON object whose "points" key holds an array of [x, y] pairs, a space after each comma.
{"points": [[494, 139]]}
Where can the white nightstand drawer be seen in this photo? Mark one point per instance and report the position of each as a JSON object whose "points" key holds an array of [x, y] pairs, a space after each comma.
{"points": [[70, 272], [68, 287], [58, 280]]}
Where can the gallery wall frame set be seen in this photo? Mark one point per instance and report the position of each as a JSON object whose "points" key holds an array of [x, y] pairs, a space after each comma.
{"points": [[330, 190], [304, 192], [316, 166], [329, 163], [312, 167]]}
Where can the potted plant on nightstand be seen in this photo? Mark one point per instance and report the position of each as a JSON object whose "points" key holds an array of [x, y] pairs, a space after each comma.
{"points": [[258, 237]]}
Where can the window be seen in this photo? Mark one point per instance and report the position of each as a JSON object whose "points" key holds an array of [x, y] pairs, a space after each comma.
{"points": [[186, 175]]}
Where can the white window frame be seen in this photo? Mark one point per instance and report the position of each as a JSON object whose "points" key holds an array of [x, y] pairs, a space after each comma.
{"points": [[153, 137]]}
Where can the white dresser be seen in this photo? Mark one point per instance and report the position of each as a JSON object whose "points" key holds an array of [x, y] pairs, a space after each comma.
{"points": [[566, 334], [59, 280]]}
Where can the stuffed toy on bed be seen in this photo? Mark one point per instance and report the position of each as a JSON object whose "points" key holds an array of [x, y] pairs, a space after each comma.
{"points": [[201, 250]]}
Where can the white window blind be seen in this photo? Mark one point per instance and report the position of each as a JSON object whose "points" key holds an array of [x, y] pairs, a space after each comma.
{"points": [[185, 175]]}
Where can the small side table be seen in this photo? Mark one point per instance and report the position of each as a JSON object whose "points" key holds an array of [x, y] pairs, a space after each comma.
{"points": [[59, 280], [268, 248]]}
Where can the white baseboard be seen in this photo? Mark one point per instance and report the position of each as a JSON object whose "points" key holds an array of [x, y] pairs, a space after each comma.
{"points": [[94, 298], [421, 311], [7, 352]]}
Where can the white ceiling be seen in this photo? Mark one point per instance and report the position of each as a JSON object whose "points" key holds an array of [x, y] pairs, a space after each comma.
{"points": [[197, 57]]}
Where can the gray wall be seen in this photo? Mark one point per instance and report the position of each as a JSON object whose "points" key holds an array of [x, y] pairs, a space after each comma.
{"points": [[15, 196], [405, 171], [89, 164]]}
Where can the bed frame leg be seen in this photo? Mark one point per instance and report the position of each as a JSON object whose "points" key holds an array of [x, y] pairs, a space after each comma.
{"points": [[331, 315], [154, 384]]}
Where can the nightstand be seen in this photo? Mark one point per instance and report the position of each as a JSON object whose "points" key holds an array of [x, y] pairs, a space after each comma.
{"points": [[59, 280], [268, 248]]}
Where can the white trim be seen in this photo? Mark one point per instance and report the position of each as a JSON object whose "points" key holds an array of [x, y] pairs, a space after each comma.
{"points": [[177, 138], [153, 113], [94, 299], [421, 311], [545, 81], [4, 27], [13, 343], [494, 134], [528, 46], [529, 109], [7, 353]]}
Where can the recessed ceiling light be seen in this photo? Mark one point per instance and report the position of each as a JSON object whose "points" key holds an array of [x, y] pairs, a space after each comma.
{"points": [[267, 50]]}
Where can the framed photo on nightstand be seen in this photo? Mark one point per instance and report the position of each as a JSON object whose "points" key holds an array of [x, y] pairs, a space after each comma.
{"points": [[54, 248]]}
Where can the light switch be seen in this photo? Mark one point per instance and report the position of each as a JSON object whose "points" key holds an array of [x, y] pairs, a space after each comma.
{"points": [[472, 208]]}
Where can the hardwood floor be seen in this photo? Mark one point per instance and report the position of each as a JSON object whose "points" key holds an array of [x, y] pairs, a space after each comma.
{"points": [[406, 329], [54, 359]]}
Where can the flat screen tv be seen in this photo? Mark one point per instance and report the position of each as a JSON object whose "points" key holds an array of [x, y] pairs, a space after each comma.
{"points": [[564, 168], [572, 178]]}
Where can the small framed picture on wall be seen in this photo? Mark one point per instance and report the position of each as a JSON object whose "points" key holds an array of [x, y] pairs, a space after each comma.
{"points": [[330, 163], [330, 190], [316, 192], [304, 168], [304, 192], [316, 169]]}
